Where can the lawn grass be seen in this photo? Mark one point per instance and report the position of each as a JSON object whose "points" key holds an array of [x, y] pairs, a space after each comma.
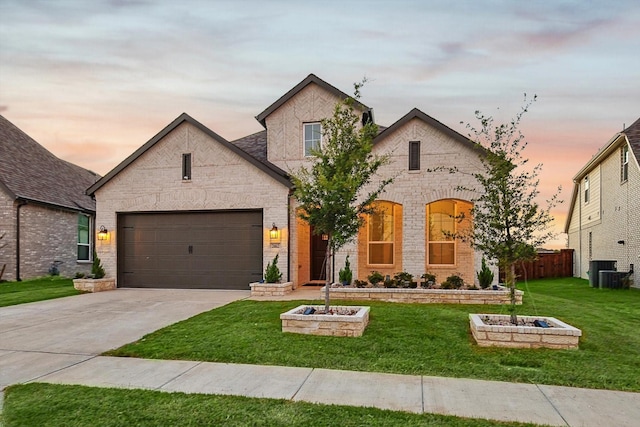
{"points": [[60, 405], [425, 339], [43, 288]]}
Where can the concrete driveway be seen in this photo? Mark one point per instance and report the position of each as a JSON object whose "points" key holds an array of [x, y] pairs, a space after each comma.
{"points": [[39, 338]]}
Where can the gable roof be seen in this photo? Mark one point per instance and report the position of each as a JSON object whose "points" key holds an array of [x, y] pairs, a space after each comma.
{"points": [[417, 114], [269, 168], [633, 136], [28, 171], [630, 135], [311, 78]]}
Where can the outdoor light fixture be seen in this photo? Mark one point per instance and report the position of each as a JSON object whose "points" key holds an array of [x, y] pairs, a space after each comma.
{"points": [[274, 234], [103, 234]]}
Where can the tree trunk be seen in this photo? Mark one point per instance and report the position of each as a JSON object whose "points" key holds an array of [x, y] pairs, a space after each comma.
{"points": [[327, 269], [511, 281]]}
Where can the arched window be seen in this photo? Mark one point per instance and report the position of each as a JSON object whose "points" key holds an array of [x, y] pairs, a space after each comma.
{"points": [[380, 233], [441, 232]]}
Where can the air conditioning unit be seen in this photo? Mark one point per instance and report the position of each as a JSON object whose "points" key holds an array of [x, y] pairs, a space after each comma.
{"points": [[611, 279]]}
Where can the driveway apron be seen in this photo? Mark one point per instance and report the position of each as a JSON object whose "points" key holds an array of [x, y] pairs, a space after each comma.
{"points": [[43, 337]]}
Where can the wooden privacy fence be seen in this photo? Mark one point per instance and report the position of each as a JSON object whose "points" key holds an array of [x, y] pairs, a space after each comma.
{"points": [[548, 264]]}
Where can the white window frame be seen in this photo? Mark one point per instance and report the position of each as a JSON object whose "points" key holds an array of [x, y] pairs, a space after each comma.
{"points": [[586, 189], [451, 242], [624, 164], [392, 241], [307, 153], [90, 238]]}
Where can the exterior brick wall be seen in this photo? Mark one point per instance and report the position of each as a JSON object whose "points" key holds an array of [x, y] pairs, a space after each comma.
{"points": [[618, 219], [220, 180], [8, 229], [46, 235], [411, 191]]}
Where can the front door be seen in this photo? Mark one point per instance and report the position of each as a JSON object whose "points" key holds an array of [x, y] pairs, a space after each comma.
{"points": [[318, 252]]}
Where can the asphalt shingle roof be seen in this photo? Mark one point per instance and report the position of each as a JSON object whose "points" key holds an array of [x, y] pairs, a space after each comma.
{"points": [[633, 135], [29, 171]]}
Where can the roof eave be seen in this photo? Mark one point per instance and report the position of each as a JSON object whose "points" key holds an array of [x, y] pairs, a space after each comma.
{"points": [[609, 148]]}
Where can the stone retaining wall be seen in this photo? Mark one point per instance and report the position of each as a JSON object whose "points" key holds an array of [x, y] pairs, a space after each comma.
{"points": [[270, 289], [323, 324], [94, 285], [426, 296], [559, 336]]}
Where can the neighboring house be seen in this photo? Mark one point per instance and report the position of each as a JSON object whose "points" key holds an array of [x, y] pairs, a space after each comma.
{"points": [[604, 215], [190, 209], [45, 214]]}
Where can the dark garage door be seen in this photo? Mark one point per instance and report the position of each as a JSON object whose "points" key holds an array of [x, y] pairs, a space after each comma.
{"points": [[206, 250]]}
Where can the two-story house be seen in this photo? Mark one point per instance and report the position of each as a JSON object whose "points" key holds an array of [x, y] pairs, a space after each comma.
{"points": [[191, 209], [604, 215]]}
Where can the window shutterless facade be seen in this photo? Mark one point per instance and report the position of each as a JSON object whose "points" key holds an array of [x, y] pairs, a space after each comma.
{"points": [[312, 138], [380, 232], [624, 163], [441, 217], [84, 237], [586, 189]]}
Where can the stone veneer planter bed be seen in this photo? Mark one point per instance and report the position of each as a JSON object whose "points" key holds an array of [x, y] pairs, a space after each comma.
{"points": [[337, 325], [94, 285], [270, 289], [426, 296], [558, 336]]}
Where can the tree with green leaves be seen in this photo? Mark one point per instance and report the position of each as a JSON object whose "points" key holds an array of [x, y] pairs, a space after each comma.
{"points": [[329, 191], [508, 222]]}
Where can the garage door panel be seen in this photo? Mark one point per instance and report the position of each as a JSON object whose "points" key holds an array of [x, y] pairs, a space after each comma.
{"points": [[219, 250]]}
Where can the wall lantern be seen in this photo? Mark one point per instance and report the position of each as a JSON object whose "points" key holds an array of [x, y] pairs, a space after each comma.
{"points": [[103, 234], [274, 234]]}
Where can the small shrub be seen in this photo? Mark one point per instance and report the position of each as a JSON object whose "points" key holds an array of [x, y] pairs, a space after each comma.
{"points": [[360, 283], [345, 275], [485, 276], [429, 279], [79, 275], [390, 283], [272, 272], [453, 282], [97, 271], [375, 277], [403, 279]]}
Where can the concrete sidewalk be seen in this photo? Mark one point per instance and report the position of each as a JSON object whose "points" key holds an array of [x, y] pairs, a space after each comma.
{"points": [[541, 404]]}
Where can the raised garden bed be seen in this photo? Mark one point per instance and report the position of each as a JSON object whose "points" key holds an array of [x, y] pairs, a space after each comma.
{"points": [[94, 285], [494, 330], [343, 321], [270, 289], [426, 296]]}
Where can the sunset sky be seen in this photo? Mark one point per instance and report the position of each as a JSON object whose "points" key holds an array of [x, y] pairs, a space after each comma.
{"points": [[94, 80]]}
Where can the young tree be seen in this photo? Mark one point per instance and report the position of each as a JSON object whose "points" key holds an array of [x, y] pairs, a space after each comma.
{"points": [[508, 223], [328, 192]]}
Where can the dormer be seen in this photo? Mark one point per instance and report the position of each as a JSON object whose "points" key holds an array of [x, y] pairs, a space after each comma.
{"points": [[293, 122]]}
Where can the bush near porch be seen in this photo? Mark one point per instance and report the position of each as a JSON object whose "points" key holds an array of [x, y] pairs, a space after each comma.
{"points": [[425, 339]]}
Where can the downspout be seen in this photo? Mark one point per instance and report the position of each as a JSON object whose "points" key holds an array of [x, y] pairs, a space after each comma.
{"points": [[289, 236], [21, 203]]}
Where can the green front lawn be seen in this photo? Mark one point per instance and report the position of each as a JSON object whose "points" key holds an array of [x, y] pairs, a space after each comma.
{"points": [[58, 405], [425, 339], [12, 293]]}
